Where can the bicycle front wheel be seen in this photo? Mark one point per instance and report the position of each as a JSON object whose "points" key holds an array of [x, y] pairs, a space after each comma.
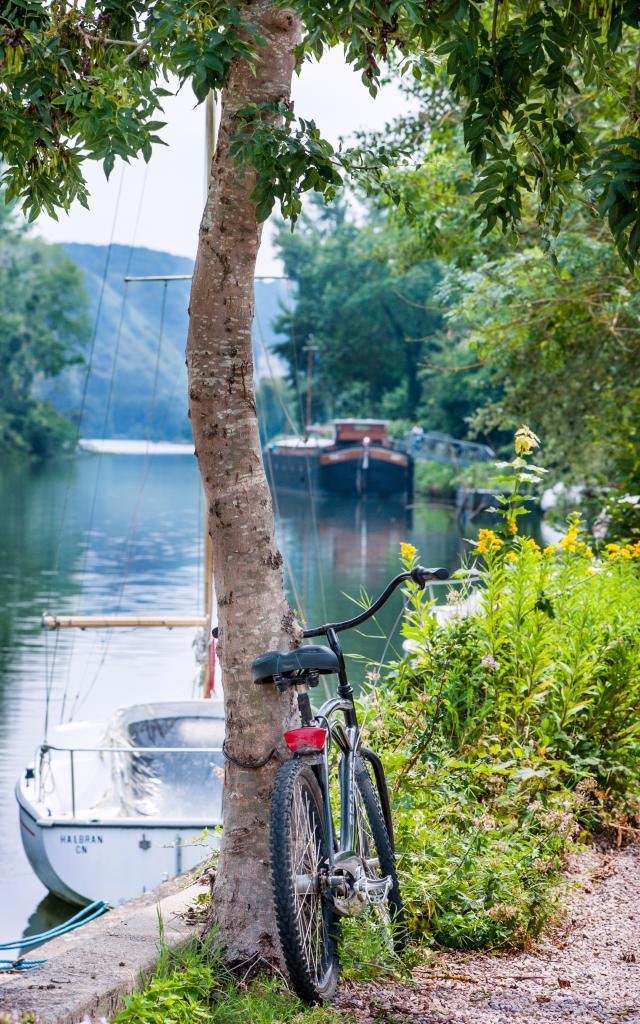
{"points": [[299, 857]]}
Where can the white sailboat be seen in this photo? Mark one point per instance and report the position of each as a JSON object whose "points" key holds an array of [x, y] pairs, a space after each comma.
{"points": [[110, 810]]}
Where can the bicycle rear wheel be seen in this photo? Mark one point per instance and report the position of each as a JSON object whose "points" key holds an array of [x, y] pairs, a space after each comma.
{"points": [[299, 854]]}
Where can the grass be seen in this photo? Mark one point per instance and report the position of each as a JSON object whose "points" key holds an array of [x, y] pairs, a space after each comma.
{"points": [[189, 986]]}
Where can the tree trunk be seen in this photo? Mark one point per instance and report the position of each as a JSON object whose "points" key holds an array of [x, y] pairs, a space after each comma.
{"points": [[253, 613]]}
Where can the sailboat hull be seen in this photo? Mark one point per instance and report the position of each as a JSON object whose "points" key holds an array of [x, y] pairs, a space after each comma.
{"points": [[112, 861]]}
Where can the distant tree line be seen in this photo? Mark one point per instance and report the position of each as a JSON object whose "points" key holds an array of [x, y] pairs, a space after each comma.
{"points": [[44, 325]]}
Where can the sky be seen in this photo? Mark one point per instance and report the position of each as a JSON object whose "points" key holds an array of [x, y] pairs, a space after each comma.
{"points": [[159, 205]]}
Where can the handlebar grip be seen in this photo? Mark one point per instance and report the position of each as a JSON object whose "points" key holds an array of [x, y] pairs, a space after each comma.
{"points": [[421, 576]]}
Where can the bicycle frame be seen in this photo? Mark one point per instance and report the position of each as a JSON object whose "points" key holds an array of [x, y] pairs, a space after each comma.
{"points": [[347, 737]]}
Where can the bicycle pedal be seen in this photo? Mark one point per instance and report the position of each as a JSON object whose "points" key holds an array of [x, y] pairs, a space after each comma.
{"points": [[373, 890]]}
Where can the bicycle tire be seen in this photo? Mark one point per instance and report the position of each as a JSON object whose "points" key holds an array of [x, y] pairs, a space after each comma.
{"points": [[384, 850], [314, 978]]}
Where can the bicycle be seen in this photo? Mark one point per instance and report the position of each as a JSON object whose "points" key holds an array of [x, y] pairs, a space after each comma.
{"points": [[324, 868]]}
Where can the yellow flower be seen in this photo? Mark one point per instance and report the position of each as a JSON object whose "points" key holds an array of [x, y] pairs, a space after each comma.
{"points": [[549, 550], [511, 555], [512, 526], [526, 441], [570, 541], [531, 543], [488, 541], [407, 551]]}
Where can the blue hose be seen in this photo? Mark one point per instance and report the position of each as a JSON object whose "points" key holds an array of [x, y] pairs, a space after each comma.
{"points": [[20, 965], [89, 913]]}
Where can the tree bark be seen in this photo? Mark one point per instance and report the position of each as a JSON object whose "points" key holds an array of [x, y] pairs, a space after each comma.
{"points": [[253, 613]]}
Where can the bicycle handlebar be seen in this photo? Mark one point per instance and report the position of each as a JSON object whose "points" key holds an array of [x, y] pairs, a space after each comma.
{"points": [[419, 575]]}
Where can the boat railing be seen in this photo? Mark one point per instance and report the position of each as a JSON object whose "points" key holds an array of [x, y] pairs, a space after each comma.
{"points": [[72, 751]]}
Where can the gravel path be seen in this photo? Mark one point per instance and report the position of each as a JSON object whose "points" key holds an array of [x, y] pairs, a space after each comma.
{"points": [[587, 970]]}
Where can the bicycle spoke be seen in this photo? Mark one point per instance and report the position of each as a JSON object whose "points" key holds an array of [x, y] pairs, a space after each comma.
{"points": [[306, 855]]}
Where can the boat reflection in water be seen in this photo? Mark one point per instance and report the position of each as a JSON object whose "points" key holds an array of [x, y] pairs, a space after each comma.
{"points": [[359, 460]]}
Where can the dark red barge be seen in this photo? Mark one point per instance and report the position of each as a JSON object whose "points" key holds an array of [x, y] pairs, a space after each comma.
{"points": [[360, 460]]}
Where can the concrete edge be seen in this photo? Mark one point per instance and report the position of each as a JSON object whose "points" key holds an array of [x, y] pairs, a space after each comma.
{"points": [[89, 971]]}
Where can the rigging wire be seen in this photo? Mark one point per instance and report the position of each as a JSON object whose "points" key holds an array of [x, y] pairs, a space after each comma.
{"points": [[83, 402], [105, 424], [79, 703], [312, 504]]}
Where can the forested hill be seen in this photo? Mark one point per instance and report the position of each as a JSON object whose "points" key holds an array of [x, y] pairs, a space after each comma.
{"points": [[133, 380]]}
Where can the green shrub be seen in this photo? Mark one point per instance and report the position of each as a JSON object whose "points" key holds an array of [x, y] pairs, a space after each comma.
{"points": [[513, 729], [439, 479], [435, 479]]}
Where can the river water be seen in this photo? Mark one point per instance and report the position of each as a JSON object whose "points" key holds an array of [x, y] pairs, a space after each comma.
{"points": [[123, 533]]}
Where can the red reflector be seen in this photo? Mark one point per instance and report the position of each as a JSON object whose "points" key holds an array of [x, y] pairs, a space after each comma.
{"points": [[297, 739]]}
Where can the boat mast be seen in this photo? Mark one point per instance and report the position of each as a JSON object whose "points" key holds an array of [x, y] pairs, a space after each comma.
{"points": [[311, 351], [208, 680]]}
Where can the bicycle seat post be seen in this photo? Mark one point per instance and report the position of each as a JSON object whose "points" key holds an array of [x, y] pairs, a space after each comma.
{"points": [[301, 688]]}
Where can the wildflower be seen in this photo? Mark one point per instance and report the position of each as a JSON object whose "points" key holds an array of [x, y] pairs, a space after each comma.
{"points": [[488, 541], [570, 541], [512, 526], [533, 546], [585, 788], [526, 441], [486, 824], [501, 912], [543, 865], [511, 555], [488, 661], [549, 550], [407, 551]]}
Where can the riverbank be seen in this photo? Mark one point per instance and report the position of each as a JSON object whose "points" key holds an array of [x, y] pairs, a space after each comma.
{"points": [[140, 553], [88, 972]]}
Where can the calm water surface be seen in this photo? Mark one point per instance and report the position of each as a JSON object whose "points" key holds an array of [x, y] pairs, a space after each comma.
{"points": [[114, 533]]}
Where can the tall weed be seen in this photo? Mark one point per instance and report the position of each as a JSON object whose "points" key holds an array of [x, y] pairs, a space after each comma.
{"points": [[512, 730]]}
